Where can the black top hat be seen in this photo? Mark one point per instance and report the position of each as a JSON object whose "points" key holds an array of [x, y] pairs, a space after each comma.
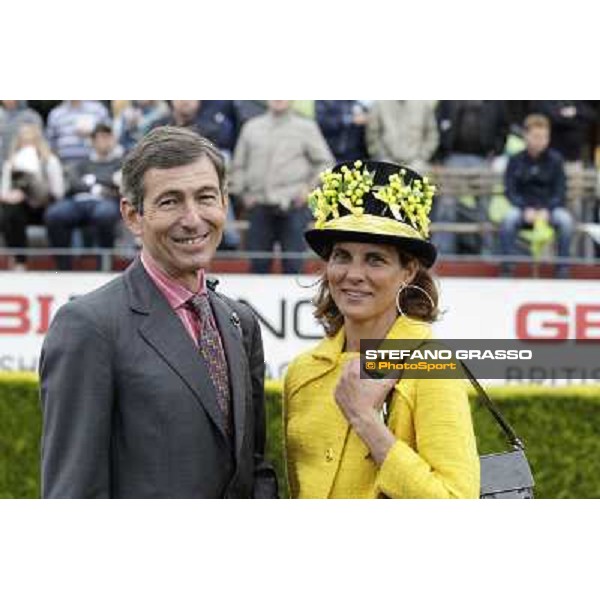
{"points": [[372, 201]]}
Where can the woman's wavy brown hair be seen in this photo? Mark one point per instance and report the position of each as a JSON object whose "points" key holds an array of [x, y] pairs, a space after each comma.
{"points": [[413, 302]]}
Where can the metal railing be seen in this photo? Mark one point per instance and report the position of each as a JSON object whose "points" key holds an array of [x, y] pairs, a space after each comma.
{"points": [[108, 260], [582, 198], [580, 182]]}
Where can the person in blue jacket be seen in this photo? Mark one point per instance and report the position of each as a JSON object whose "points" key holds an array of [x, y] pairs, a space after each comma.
{"points": [[535, 185]]}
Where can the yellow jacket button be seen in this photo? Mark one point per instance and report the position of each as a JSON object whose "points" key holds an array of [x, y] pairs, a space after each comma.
{"points": [[329, 455]]}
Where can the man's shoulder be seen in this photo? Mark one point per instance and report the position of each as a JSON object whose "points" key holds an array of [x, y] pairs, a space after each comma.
{"points": [[244, 312], [106, 290], [100, 301], [90, 316]]}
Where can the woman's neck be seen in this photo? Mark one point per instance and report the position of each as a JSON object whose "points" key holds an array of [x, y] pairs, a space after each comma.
{"points": [[374, 329]]}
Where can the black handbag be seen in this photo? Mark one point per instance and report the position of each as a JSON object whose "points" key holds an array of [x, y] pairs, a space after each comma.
{"points": [[505, 474]]}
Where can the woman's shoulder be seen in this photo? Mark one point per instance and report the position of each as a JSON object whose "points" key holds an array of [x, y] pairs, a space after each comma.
{"points": [[297, 373], [446, 399], [305, 359], [409, 328], [311, 363]]}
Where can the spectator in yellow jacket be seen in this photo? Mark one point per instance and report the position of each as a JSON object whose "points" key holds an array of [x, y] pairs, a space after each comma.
{"points": [[376, 285]]}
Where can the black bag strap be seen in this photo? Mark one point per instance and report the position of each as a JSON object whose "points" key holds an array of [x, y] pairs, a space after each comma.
{"points": [[510, 433]]}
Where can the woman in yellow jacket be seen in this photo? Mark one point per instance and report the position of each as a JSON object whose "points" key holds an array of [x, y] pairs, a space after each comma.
{"points": [[371, 229]]}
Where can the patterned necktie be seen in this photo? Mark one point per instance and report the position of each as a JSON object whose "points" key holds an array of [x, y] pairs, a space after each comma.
{"points": [[211, 349]]}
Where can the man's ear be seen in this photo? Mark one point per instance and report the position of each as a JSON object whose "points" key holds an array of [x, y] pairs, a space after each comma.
{"points": [[131, 217]]}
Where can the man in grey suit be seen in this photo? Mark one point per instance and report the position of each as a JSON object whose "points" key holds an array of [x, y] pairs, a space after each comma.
{"points": [[152, 386]]}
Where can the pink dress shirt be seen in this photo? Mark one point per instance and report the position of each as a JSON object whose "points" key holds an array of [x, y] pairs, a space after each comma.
{"points": [[176, 294]]}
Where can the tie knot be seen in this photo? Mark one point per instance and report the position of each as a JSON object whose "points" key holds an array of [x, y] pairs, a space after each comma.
{"points": [[201, 306]]}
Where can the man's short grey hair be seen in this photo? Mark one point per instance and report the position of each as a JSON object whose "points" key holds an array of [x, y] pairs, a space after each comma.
{"points": [[165, 148]]}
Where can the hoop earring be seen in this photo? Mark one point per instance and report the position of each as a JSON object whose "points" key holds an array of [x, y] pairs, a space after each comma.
{"points": [[405, 286]]}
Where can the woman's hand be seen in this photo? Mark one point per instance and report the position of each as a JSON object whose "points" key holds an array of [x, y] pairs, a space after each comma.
{"points": [[360, 400]]}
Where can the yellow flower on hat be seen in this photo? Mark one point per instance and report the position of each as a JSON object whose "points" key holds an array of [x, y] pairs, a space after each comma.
{"points": [[375, 200], [409, 203], [345, 188]]}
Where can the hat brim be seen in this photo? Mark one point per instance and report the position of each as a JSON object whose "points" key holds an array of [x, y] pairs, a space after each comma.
{"points": [[322, 241]]}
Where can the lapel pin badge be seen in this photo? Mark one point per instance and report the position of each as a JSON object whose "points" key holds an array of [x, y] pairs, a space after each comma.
{"points": [[235, 319]]}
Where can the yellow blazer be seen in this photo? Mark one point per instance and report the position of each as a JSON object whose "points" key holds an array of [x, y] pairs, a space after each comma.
{"points": [[435, 454]]}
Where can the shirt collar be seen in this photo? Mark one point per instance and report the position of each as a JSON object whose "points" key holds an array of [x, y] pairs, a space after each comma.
{"points": [[176, 294]]}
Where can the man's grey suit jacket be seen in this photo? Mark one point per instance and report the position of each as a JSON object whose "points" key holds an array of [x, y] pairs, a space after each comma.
{"points": [[129, 409]]}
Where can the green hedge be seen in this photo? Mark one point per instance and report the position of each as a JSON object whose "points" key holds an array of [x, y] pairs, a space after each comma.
{"points": [[20, 426], [560, 427], [561, 431]]}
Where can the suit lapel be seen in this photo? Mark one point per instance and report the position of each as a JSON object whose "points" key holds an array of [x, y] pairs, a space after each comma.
{"points": [[162, 329], [233, 344]]}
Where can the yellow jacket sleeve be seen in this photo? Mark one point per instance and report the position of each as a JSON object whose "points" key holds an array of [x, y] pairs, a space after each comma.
{"points": [[444, 463]]}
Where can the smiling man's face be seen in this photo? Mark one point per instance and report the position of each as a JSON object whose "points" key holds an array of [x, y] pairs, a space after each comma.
{"points": [[183, 217]]}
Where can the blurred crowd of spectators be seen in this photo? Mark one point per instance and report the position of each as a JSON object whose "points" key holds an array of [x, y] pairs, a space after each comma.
{"points": [[61, 162]]}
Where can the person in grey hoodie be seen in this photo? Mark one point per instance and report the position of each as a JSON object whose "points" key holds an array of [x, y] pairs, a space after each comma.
{"points": [[92, 196]]}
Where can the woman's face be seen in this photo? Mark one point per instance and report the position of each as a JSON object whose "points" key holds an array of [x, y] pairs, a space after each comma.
{"points": [[364, 279]]}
